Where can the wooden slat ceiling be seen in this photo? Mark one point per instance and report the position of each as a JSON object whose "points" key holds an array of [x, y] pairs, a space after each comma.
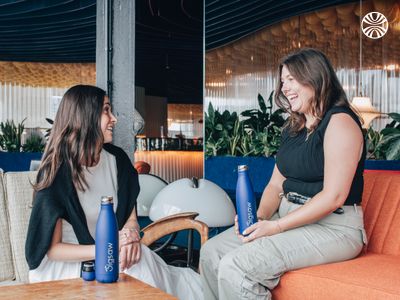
{"points": [[334, 30], [47, 74], [230, 20]]}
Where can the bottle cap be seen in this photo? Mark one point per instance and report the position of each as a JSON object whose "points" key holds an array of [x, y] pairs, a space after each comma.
{"points": [[88, 273], [243, 168], [88, 267], [106, 199]]}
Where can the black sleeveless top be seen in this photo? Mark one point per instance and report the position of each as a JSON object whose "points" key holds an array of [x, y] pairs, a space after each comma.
{"points": [[301, 160]]}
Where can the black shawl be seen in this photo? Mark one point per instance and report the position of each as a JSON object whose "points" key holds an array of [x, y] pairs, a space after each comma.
{"points": [[60, 200]]}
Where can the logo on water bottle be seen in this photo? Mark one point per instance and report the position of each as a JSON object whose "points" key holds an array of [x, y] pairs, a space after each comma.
{"points": [[110, 258], [250, 218]]}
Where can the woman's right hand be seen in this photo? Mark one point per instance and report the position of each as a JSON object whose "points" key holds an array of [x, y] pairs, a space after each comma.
{"points": [[129, 255], [129, 247]]}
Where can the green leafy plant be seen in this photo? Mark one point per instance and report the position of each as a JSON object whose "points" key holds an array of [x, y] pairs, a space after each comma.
{"points": [[373, 140], [247, 147], [386, 143], [259, 119], [34, 143], [264, 126], [258, 134], [10, 136], [220, 130]]}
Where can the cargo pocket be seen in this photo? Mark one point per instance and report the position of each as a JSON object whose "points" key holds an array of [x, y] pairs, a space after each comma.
{"points": [[254, 290]]}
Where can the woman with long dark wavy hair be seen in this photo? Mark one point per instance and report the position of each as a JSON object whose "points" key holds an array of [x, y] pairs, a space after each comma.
{"points": [[310, 210], [79, 166]]}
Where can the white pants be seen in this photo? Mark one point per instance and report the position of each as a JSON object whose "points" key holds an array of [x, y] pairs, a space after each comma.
{"points": [[233, 270], [183, 283]]}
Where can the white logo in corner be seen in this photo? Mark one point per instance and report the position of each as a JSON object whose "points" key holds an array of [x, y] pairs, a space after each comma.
{"points": [[374, 25]]}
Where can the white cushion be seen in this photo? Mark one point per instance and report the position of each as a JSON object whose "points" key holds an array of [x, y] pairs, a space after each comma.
{"points": [[150, 185], [6, 264], [19, 200]]}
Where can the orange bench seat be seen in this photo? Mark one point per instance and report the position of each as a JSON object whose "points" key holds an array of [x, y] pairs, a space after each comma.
{"points": [[375, 273]]}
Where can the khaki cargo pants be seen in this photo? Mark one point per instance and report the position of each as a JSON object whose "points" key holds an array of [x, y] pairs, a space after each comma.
{"points": [[233, 270]]}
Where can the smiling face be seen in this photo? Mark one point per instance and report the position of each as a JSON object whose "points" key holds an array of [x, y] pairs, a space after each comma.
{"points": [[108, 121], [298, 95]]}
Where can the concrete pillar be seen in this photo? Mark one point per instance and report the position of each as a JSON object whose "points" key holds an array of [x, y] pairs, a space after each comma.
{"points": [[122, 85]]}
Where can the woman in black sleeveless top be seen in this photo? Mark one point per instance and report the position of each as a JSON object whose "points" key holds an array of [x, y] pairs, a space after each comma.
{"points": [[309, 212]]}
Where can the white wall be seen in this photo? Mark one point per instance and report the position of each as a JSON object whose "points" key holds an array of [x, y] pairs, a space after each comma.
{"points": [[18, 102]]}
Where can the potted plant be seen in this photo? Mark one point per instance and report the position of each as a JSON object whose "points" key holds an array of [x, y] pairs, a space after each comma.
{"points": [[383, 147], [11, 156], [253, 139], [34, 143], [222, 131], [10, 136]]}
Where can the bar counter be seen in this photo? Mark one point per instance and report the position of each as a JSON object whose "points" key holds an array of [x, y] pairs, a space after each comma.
{"points": [[173, 165]]}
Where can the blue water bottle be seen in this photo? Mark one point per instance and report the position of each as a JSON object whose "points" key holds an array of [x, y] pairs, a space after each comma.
{"points": [[107, 250], [245, 200]]}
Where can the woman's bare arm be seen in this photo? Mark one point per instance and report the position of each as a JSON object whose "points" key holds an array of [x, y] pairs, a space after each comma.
{"points": [[68, 252]]}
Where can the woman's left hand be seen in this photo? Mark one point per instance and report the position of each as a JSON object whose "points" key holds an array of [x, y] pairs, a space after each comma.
{"points": [[261, 229]]}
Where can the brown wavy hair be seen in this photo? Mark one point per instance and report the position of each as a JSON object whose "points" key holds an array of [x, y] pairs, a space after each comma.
{"points": [[311, 68], [76, 138]]}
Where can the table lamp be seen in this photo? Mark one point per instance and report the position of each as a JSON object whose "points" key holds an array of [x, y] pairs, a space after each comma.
{"points": [[364, 106]]}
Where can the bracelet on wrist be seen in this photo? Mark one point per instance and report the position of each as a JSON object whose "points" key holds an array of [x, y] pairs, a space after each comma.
{"points": [[132, 229]]}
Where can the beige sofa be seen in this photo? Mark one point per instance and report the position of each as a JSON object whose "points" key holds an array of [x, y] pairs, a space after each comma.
{"points": [[15, 208]]}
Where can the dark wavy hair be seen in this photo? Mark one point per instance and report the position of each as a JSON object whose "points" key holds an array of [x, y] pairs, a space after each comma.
{"points": [[76, 138], [311, 68]]}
